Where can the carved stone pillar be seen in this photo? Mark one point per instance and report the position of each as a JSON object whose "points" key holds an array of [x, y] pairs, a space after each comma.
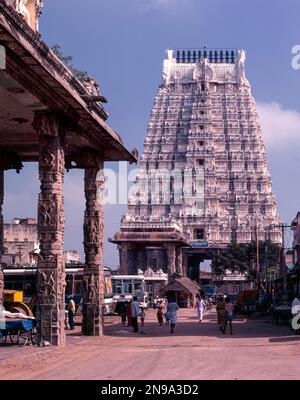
{"points": [[94, 284], [51, 279], [179, 262], [171, 258], [124, 262], [184, 262], [131, 257], [1, 233]]}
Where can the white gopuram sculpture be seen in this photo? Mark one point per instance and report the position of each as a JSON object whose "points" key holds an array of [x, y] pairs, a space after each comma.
{"points": [[241, 75], [30, 10], [166, 67], [21, 7]]}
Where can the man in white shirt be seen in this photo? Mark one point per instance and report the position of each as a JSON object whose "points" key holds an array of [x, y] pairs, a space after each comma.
{"points": [[200, 306], [135, 310]]}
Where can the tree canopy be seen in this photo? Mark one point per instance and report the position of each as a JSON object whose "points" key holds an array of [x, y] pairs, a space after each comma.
{"points": [[242, 258], [67, 60]]}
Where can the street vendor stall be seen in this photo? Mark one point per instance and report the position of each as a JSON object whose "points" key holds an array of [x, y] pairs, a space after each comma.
{"points": [[19, 331], [16, 321]]}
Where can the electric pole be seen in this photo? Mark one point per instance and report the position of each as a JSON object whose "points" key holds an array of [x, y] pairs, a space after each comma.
{"points": [[282, 259], [282, 254], [257, 257]]}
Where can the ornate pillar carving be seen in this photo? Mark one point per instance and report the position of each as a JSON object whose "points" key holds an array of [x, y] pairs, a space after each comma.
{"points": [[171, 258], [51, 279], [184, 262], [94, 285], [179, 262], [1, 233], [124, 247], [148, 257], [132, 269]]}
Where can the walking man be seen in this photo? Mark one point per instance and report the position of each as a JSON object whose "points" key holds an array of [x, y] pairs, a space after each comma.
{"points": [[135, 310], [71, 313], [200, 306], [172, 309], [229, 307]]}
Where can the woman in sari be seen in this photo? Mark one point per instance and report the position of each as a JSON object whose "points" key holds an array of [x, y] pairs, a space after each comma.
{"points": [[160, 316], [129, 313]]}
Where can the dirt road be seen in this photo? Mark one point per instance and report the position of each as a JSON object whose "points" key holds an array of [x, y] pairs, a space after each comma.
{"points": [[257, 350]]}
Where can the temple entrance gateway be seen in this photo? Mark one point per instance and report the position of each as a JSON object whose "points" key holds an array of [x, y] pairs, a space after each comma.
{"points": [[194, 267], [157, 246], [47, 116]]}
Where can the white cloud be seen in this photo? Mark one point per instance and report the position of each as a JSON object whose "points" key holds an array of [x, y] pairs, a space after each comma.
{"points": [[280, 127], [156, 3]]}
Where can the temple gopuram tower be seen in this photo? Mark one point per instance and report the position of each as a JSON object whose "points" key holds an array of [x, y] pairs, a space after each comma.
{"points": [[203, 180]]}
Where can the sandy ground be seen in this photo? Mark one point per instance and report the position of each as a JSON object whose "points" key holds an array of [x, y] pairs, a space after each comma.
{"points": [[258, 349]]}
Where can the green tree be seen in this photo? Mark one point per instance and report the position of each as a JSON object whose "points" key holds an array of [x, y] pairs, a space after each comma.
{"points": [[67, 60], [242, 258]]}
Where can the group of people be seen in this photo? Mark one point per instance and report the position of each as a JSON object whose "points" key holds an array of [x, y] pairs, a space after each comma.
{"points": [[124, 309], [166, 312], [131, 311], [167, 309], [225, 309]]}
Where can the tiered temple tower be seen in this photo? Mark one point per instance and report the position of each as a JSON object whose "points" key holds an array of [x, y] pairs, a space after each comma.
{"points": [[203, 180]]}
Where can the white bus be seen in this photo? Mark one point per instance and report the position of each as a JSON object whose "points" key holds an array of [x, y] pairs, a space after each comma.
{"points": [[24, 279], [142, 286], [129, 286]]}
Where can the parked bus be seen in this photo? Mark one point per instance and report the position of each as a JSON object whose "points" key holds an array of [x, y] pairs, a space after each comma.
{"points": [[129, 286], [24, 279]]}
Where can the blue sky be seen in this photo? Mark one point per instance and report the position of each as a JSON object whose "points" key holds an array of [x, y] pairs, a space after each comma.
{"points": [[122, 42]]}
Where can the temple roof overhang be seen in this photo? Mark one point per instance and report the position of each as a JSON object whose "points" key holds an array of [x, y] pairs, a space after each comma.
{"points": [[150, 238], [181, 283], [33, 78]]}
